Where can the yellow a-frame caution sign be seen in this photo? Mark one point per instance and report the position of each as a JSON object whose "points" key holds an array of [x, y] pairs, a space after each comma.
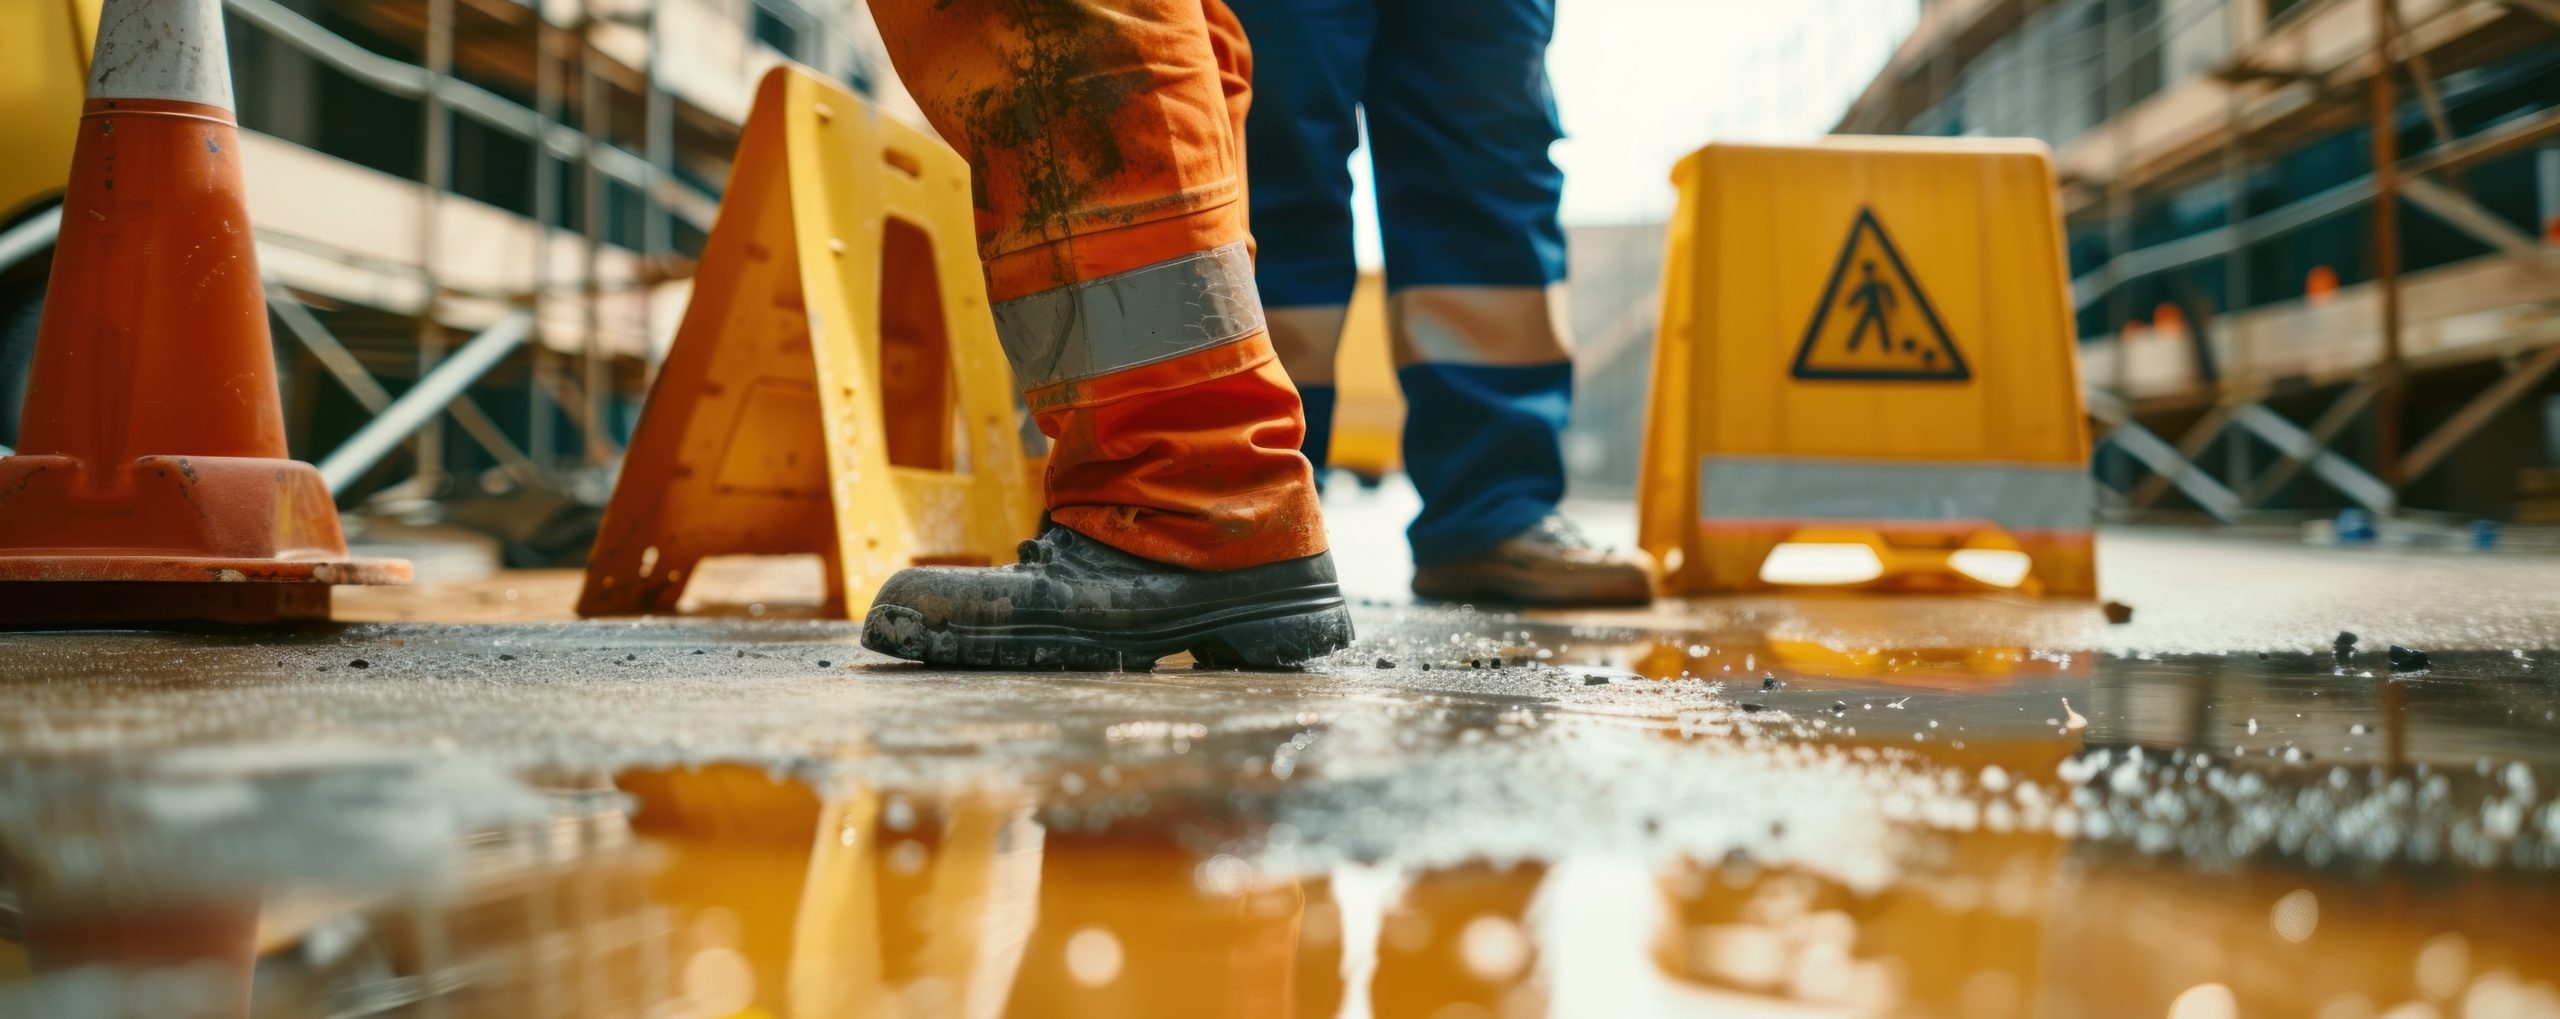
{"points": [[1897, 410], [836, 386], [1875, 324]]}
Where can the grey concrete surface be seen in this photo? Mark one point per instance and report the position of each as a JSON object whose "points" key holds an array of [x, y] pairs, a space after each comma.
{"points": [[1861, 743]]}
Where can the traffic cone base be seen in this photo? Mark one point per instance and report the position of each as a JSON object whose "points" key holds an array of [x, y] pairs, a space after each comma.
{"points": [[152, 483], [218, 520]]}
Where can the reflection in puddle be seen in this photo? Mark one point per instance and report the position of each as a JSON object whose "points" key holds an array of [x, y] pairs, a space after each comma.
{"points": [[1765, 816]]}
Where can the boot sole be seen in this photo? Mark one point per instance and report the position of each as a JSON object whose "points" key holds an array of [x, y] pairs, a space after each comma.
{"points": [[1262, 637]]}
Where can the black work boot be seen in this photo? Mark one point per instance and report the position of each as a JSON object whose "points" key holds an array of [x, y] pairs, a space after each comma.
{"points": [[1076, 603]]}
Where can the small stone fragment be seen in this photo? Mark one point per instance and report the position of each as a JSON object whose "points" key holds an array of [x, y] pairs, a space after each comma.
{"points": [[2119, 613], [359, 664], [825, 664], [2407, 659], [1749, 708], [506, 658], [1386, 663], [1595, 679]]}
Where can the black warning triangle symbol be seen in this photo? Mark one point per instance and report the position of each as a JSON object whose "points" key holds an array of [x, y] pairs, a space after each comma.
{"points": [[1874, 324]]}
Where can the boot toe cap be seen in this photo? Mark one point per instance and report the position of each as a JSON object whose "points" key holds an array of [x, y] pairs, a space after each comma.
{"points": [[944, 596], [897, 631]]}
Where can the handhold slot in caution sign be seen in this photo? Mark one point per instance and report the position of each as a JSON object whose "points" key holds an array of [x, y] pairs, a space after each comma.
{"points": [[1874, 323], [916, 383]]}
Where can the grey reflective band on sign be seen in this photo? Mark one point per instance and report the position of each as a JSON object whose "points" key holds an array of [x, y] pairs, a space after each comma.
{"points": [[161, 49], [1129, 319], [2015, 497]]}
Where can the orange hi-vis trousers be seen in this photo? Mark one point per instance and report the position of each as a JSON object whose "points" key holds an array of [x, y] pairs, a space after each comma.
{"points": [[1106, 138]]}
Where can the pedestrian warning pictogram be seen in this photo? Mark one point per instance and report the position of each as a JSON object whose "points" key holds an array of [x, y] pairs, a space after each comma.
{"points": [[1875, 324]]}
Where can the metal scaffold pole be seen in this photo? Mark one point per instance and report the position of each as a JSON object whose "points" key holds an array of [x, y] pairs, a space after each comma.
{"points": [[2119, 198], [657, 245], [546, 212], [2386, 242], [595, 119], [658, 227], [434, 177]]}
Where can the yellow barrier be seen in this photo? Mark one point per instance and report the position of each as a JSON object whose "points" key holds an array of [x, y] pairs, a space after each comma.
{"points": [[836, 386], [1866, 374], [44, 76], [1368, 408]]}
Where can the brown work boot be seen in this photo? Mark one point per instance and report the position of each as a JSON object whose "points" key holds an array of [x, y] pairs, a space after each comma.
{"points": [[1550, 565]]}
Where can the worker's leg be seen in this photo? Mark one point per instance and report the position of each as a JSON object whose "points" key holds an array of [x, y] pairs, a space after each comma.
{"points": [[1103, 138], [1460, 120], [1314, 64]]}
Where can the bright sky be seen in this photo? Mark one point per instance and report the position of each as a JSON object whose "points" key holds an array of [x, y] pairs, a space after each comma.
{"points": [[1644, 82]]}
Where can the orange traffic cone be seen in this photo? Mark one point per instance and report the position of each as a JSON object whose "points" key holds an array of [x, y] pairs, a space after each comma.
{"points": [[152, 481]]}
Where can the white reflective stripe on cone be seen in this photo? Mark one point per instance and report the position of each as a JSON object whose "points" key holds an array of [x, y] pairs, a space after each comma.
{"points": [[1515, 326], [2015, 497], [1125, 320], [161, 49]]}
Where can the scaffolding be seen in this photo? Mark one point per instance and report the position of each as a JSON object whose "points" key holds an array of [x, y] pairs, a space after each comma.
{"points": [[478, 217], [2194, 106]]}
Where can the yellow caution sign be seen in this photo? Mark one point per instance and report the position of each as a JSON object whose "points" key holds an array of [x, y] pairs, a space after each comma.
{"points": [[1368, 409], [1866, 374], [835, 386]]}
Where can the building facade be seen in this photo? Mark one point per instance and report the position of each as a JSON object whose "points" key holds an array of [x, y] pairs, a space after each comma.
{"points": [[2267, 324]]}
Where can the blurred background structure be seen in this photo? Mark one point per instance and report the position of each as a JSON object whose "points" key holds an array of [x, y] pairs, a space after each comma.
{"points": [[2302, 234], [423, 168], [2270, 328], [2265, 334]]}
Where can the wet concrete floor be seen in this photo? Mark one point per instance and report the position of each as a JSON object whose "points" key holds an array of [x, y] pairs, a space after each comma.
{"points": [[1767, 806]]}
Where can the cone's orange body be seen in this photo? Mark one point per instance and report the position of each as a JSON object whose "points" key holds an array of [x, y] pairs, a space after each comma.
{"points": [[157, 257], [153, 481]]}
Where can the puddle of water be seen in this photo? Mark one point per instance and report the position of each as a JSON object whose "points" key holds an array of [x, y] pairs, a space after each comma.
{"points": [[1767, 812]]}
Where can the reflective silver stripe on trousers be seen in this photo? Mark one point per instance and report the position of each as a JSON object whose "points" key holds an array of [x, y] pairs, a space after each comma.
{"points": [[1124, 320], [1480, 325], [2015, 497]]}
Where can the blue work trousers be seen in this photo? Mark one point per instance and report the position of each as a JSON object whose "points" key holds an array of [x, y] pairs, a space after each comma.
{"points": [[1460, 116]]}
